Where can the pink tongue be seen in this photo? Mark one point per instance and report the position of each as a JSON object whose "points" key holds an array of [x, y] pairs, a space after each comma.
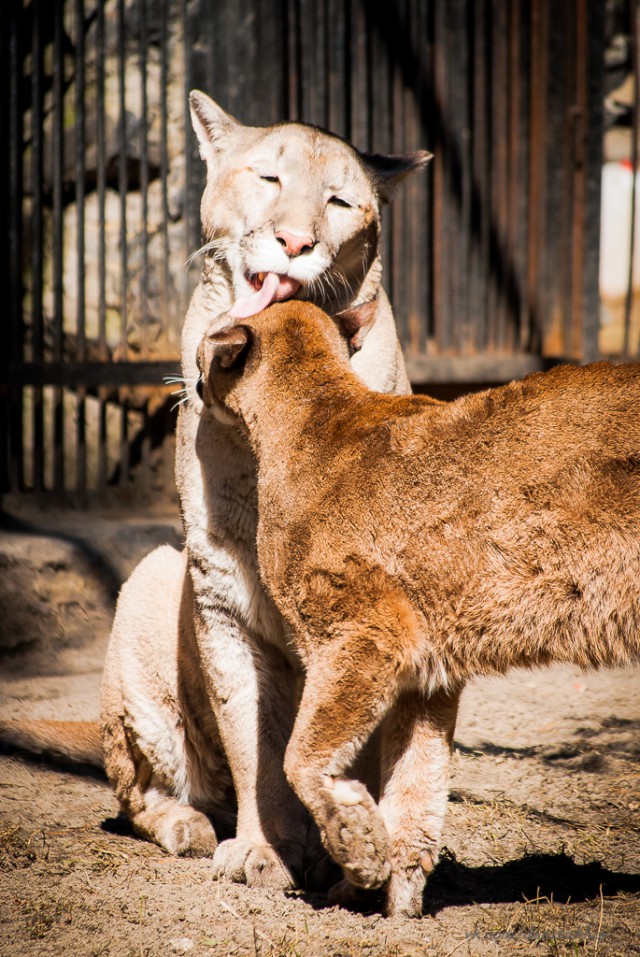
{"points": [[275, 288]]}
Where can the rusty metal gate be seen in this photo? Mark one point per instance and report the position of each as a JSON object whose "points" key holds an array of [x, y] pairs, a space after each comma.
{"points": [[491, 258]]}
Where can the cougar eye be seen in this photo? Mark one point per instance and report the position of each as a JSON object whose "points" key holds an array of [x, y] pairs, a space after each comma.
{"points": [[270, 179], [339, 201]]}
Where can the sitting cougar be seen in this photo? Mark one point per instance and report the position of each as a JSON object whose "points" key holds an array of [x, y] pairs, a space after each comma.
{"points": [[200, 687], [411, 545], [200, 692]]}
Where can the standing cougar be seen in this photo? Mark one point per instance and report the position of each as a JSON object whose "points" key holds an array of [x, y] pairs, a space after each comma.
{"points": [[410, 545]]}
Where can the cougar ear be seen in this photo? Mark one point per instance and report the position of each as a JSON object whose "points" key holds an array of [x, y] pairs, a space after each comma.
{"points": [[357, 321], [388, 172], [210, 123], [229, 344]]}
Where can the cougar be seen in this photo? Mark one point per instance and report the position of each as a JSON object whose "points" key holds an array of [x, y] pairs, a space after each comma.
{"points": [[410, 545], [201, 687]]}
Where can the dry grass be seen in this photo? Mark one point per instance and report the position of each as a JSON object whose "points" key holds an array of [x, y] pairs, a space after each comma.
{"points": [[21, 848]]}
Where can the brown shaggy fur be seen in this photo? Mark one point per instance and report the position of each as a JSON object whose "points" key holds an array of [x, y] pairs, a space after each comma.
{"points": [[411, 545]]}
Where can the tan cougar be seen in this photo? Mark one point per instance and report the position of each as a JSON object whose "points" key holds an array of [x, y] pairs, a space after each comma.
{"points": [[410, 545]]}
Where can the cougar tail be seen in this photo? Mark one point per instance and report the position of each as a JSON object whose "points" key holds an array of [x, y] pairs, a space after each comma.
{"points": [[77, 742]]}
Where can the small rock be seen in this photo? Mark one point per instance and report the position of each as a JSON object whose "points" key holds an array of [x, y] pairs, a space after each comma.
{"points": [[182, 945]]}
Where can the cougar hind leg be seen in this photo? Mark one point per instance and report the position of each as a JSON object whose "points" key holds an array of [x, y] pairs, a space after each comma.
{"points": [[161, 744], [149, 799]]}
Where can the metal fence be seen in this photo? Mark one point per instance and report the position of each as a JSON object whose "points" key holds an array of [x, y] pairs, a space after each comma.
{"points": [[491, 258]]}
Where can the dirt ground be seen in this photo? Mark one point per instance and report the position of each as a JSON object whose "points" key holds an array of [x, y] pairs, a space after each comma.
{"points": [[541, 846]]}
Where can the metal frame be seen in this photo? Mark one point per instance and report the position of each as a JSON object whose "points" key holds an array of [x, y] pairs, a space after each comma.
{"points": [[491, 259]]}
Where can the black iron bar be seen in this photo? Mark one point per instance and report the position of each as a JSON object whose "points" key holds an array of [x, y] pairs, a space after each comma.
{"points": [[479, 219], [102, 437], [57, 246], [101, 177], [80, 160], [124, 445], [189, 216], [122, 185], [122, 173], [143, 288], [576, 228], [167, 326], [634, 30], [15, 347], [81, 459], [37, 337]]}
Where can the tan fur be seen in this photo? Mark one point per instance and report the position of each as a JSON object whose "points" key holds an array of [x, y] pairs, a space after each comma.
{"points": [[411, 545], [201, 687], [76, 741]]}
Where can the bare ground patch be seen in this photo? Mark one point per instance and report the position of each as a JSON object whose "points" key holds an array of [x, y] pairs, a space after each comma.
{"points": [[542, 844]]}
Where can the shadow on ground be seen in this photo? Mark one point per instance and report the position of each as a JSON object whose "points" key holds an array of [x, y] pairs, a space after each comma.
{"points": [[555, 876]]}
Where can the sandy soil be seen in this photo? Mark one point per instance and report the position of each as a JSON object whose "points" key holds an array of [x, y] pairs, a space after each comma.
{"points": [[542, 846]]}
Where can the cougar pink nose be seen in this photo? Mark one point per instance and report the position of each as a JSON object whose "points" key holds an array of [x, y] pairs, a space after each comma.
{"points": [[295, 243]]}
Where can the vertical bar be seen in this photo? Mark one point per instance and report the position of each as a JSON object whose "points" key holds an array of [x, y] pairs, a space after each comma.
{"points": [[511, 186], [336, 61], [143, 305], [419, 201], [168, 327], [312, 50], [101, 192], [480, 146], [36, 239], [414, 188], [431, 125], [189, 154], [396, 277], [103, 441], [517, 330], [577, 235], [593, 155], [536, 285], [567, 41], [58, 239], [122, 175], [358, 131], [145, 449], [80, 174], [81, 461], [122, 186], [443, 239], [554, 264], [499, 166], [458, 120], [124, 444], [293, 64], [634, 30], [13, 97], [269, 57], [101, 179]]}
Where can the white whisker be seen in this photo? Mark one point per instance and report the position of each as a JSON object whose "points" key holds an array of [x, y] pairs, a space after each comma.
{"points": [[179, 402], [218, 247]]}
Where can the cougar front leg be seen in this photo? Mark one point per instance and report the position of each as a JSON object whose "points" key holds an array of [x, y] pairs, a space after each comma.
{"points": [[417, 739], [252, 690], [347, 691]]}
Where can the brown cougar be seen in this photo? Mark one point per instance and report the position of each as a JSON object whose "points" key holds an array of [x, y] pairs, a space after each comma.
{"points": [[410, 545]]}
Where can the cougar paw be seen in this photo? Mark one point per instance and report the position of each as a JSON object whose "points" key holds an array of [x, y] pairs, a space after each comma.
{"points": [[405, 889], [404, 893], [354, 832], [186, 833], [257, 865]]}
